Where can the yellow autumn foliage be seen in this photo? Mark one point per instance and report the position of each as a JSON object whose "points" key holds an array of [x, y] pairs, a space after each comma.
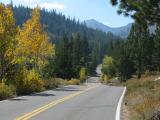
{"points": [[33, 43], [8, 32]]}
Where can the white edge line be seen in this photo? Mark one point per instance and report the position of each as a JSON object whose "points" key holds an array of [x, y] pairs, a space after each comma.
{"points": [[118, 110]]}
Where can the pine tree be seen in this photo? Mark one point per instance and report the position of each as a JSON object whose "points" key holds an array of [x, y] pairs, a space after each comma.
{"points": [[63, 59], [76, 53], [139, 39], [157, 49], [126, 64]]}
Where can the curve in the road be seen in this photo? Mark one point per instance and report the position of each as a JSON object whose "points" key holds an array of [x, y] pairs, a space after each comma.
{"points": [[118, 111]]}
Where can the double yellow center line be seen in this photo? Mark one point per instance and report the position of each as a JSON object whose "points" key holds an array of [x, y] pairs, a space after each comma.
{"points": [[51, 104]]}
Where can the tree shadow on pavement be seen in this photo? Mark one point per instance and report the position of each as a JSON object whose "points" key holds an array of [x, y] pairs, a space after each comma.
{"points": [[67, 88], [17, 99], [42, 94]]}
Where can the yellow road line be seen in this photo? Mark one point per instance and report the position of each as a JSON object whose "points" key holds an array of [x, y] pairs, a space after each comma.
{"points": [[51, 104]]}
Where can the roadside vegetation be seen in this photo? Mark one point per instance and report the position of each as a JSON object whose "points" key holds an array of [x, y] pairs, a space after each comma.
{"points": [[143, 98], [135, 62]]}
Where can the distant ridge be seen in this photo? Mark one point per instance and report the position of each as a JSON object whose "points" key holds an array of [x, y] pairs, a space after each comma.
{"points": [[119, 31]]}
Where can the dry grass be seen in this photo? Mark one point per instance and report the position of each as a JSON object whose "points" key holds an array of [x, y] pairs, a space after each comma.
{"points": [[54, 83], [143, 97], [73, 82]]}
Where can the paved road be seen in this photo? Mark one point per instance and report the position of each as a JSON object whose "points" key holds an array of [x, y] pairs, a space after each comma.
{"points": [[92, 101]]}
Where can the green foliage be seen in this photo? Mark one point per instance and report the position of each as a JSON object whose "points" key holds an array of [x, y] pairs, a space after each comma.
{"points": [[139, 53], [71, 55], [156, 52], [126, 66], [108, 66], [63, 67], [49, 69], [6, 91], [140, 48]]}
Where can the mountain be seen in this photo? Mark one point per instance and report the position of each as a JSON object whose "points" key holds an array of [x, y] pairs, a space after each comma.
{"points": [[119, 31]]}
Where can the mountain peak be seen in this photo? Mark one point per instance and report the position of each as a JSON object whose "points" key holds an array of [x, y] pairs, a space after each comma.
{"points": [[119, 31]]}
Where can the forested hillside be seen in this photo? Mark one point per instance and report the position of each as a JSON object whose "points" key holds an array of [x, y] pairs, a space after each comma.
{"points": [[60, 27], [57, 24]]}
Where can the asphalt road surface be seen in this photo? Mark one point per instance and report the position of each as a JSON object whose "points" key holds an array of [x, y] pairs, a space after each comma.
{"points": [[91, 101]]}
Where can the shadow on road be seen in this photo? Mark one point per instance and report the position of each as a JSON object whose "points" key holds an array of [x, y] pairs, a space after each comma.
{"points": [[45, 94], [67, 88], [42, 94], [17, 99]]}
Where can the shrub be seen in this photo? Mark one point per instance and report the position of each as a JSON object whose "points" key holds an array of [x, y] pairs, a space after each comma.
{"points": [[108, 66], [52, 83], [33, 82], [19, 80], [82, 75], [73, 82], [6, 91], [105, 79], [28, 81]]}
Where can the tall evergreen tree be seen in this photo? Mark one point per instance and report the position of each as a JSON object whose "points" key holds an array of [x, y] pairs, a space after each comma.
{"points": [[139, 39], [157, 49], [63, 59], [125, 62]]}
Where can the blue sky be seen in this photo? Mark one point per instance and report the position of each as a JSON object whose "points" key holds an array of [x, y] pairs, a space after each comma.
{"points": [[100, 10]]}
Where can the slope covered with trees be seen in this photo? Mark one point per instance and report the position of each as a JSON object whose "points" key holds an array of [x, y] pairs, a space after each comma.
{"points": [[76, 45]]}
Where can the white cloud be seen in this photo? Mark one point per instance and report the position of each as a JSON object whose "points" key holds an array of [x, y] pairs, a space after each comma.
{"points": [[46, 5], [57, 6], [28, 1]]}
